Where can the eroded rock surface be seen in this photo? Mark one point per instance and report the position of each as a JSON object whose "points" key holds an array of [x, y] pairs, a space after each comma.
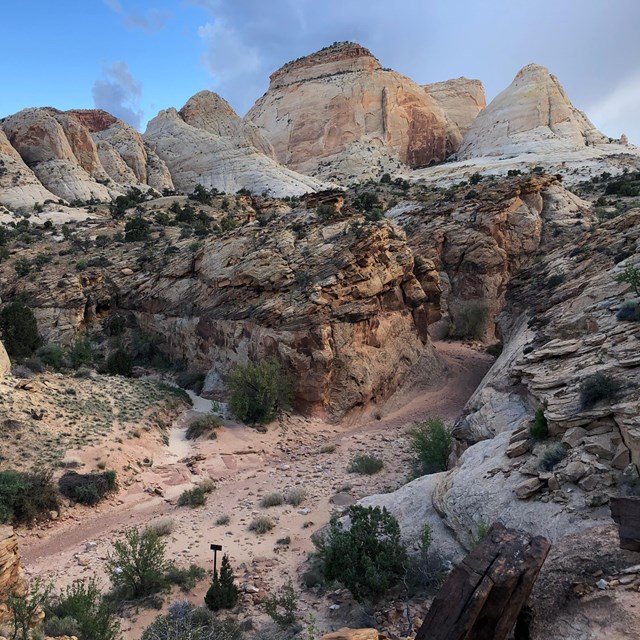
{"points": [[12, 577]]}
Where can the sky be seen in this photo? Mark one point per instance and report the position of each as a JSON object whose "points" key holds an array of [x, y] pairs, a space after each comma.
{"points": [[134, 57]]}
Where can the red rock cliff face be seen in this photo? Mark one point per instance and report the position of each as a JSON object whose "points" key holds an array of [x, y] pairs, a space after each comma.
{"points": [[340, 102], [93, 119]]}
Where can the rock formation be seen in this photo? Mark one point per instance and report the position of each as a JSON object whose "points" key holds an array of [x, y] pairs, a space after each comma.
{"points": [[207, 143], [339, 103], [461, 99], [533, 115], [5, 363], [60, 151], [19, 187], [626, 513], [482, 597], [12, 578]]}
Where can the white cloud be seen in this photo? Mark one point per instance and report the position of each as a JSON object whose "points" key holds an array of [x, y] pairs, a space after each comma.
{"points": [[612, 114], [119, 93], [154, 21]]}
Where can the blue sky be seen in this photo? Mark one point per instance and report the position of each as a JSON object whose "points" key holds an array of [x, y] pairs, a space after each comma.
{"points": [[135, 57]]}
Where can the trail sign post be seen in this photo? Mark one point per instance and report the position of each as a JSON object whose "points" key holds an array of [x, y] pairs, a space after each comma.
{"points": [[215, 548]]}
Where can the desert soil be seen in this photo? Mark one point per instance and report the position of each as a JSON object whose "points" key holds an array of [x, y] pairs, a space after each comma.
{"points": [[245, 465]]}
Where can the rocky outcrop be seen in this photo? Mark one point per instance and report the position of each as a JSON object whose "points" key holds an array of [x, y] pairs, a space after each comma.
{"points": [[352, 634], [461, 99], [483, 596], [5, 363], [626, 513], [337, 303], [340, 103], [60, 152], [12, 577], [19, 187], [209, 112], [533, 115], [195, 155]]}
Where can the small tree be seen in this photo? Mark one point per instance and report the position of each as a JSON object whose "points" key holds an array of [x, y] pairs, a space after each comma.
{"points": [[282, 607], [137, 565], [223, 592], [119, 363], [83, 603], [136, 230], [25, 610], [367, 557], [259, 391], [431, 442], [19, 330], [631, 275]]}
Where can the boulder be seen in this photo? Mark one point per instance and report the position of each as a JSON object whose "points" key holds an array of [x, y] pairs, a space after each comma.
{"points": [[483, 595], [626, 513], [5, 363], [352, 634]]}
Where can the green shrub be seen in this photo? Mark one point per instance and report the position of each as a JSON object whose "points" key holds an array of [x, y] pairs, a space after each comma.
{"points": [[551, 455], [195, 497], [295, 497], [539, 430], [22, 267], [431, 442], [25, 610], [271, 500], [367, 557], [600, 386], [137, 565], [81, 354], [19, 330], [82, 607], [631, 275], [26, 496], [282, 607], [470, 320], [183, 621], [202, 425], [137, 230], [259, 391], [223, 592], [52, 355], [555, 280], [327, 212], [495, 349], [119, 363], [161, 527], [223, 520], [261, 524], [187, 578], [87, 488], [365, 465], [629, 312]]}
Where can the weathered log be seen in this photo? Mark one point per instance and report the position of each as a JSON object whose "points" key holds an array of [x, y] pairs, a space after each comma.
{"points": [[483, 595], [626, 514]]}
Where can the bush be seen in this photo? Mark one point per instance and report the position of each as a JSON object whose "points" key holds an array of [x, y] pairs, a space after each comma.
{"points": [[201, 425], [19, 330], [186, 579], [327, 212], [631, 275], [282, 607], [137, 565], [600, 386], [25, 610], [26, 496], [368, 557], [470, 321], [223, 520], [52, 355], [137, 230], [551, 455], [223, 592], [195, 497], [119, 363], [186, 622], [261, 524], [82, 611], [271, 500], [259, 391], [81, 354], [539, 430], [161, 527], [629, 312], [87, 488], [295, 497], [365, 465], [431, 442]]}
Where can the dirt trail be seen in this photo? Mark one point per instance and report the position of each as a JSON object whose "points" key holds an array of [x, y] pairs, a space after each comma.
{"points": [[246, 465]]}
